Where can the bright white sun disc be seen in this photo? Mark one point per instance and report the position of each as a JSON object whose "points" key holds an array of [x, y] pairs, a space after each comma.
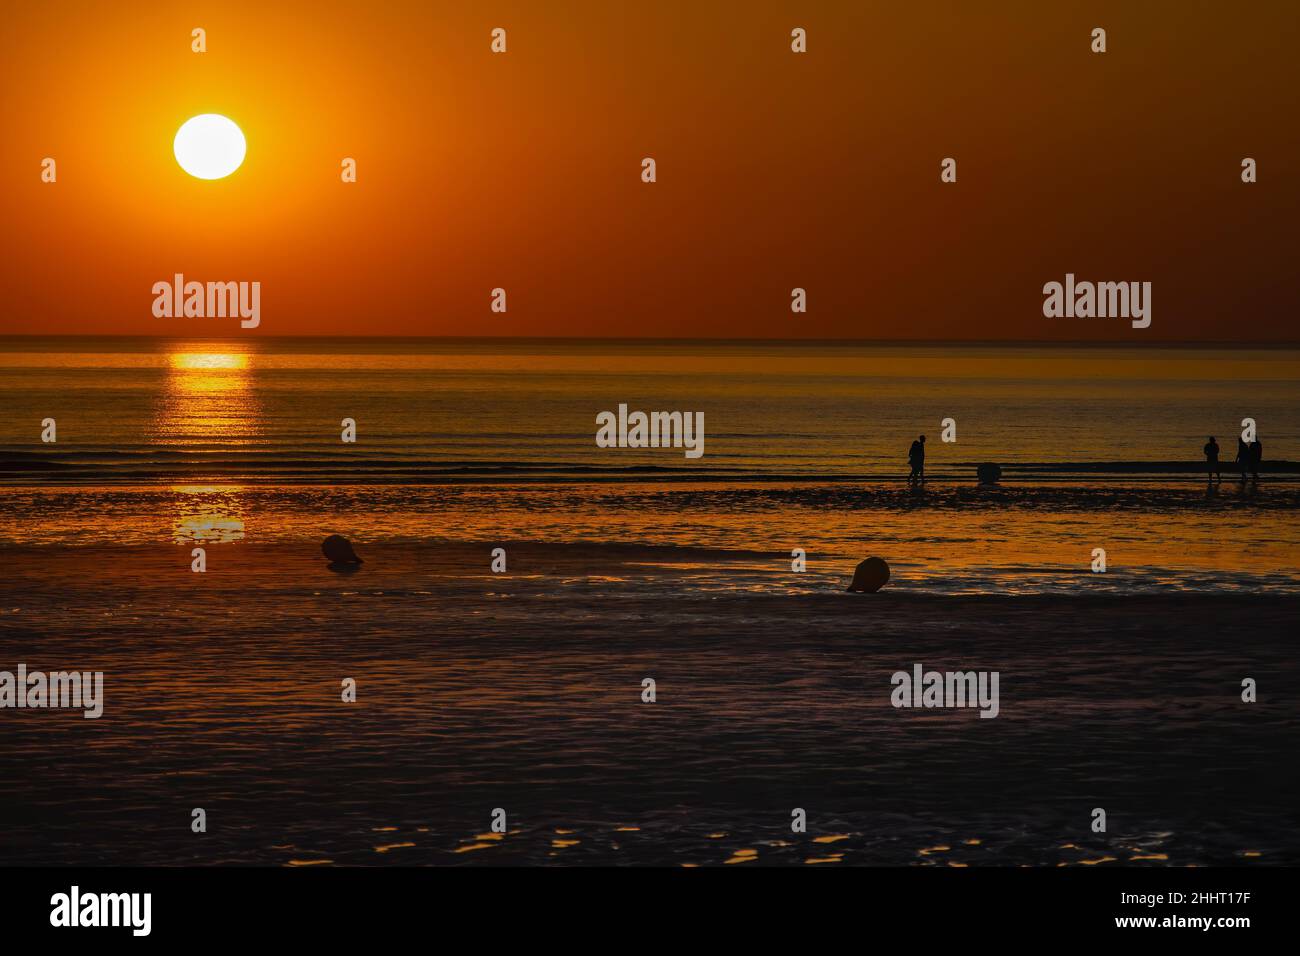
{"points": [[209, 146]]}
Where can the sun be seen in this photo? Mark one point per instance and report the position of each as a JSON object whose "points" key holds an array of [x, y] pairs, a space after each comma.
{"points": [[209, 146]]}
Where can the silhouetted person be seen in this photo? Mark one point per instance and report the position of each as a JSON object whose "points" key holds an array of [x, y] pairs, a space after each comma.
{"points": [[1212, 460], [1243, 458], [916, 458], [1256, 456]]}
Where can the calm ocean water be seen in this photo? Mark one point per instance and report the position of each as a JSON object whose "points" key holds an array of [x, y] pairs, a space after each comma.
{"points": [[805, 447], [425, 409]]}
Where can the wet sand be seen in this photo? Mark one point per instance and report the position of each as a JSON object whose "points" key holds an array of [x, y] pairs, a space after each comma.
{"points": [[523, 691]]}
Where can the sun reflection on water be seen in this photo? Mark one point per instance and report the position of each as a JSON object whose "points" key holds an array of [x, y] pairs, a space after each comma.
{"points": [[207, 398], [206, 408], [208, 360], [208, 515]]}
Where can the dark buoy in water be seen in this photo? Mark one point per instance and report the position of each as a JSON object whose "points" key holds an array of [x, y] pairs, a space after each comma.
{"points": [[339, 550], [988, 472], [870, 575]]}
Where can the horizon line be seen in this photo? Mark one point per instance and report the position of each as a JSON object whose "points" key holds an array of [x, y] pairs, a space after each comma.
{"points": [[1280, 344]]}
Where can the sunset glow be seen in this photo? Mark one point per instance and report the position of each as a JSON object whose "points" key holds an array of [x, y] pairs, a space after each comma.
{"points": [[521, 170]]}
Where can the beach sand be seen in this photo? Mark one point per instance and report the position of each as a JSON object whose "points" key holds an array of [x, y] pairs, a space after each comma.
{"points": [[522, 691]]}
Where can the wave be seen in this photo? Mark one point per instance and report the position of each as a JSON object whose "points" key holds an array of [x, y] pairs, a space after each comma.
{"points": [[163, 464]]}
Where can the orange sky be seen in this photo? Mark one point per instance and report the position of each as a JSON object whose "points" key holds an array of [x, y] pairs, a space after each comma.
{"points": [[775, 170]]}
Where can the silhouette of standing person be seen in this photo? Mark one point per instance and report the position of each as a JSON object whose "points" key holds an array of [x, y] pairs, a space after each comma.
{"points": [[1212, 460], [916, 458], [1256, 456], [1243, 458]]}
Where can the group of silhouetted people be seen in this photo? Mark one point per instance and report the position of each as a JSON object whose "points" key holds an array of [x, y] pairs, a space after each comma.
{"points": [[1249, 455]]}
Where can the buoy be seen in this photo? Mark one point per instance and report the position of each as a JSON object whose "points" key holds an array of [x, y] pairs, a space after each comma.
{"points": [[339, 550], [988, 472], [870, 575]]}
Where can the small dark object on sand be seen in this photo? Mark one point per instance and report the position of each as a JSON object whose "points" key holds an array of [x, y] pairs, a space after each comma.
{"points": [[870, 575], [988, 473], [339, 550]]}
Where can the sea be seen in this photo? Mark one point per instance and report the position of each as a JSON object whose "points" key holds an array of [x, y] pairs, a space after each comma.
{"points": [[562, 654], [805, 447]]}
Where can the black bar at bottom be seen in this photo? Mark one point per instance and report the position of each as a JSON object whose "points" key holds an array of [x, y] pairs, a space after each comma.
{"points": [[300, 905]]}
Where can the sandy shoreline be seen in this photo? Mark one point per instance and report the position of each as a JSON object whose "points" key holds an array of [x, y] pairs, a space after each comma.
{"points": [[479, 691]]}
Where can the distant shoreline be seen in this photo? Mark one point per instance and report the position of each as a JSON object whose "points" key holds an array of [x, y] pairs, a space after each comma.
{"points": [[90, 462], [762, 343], [1188, 479]]}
